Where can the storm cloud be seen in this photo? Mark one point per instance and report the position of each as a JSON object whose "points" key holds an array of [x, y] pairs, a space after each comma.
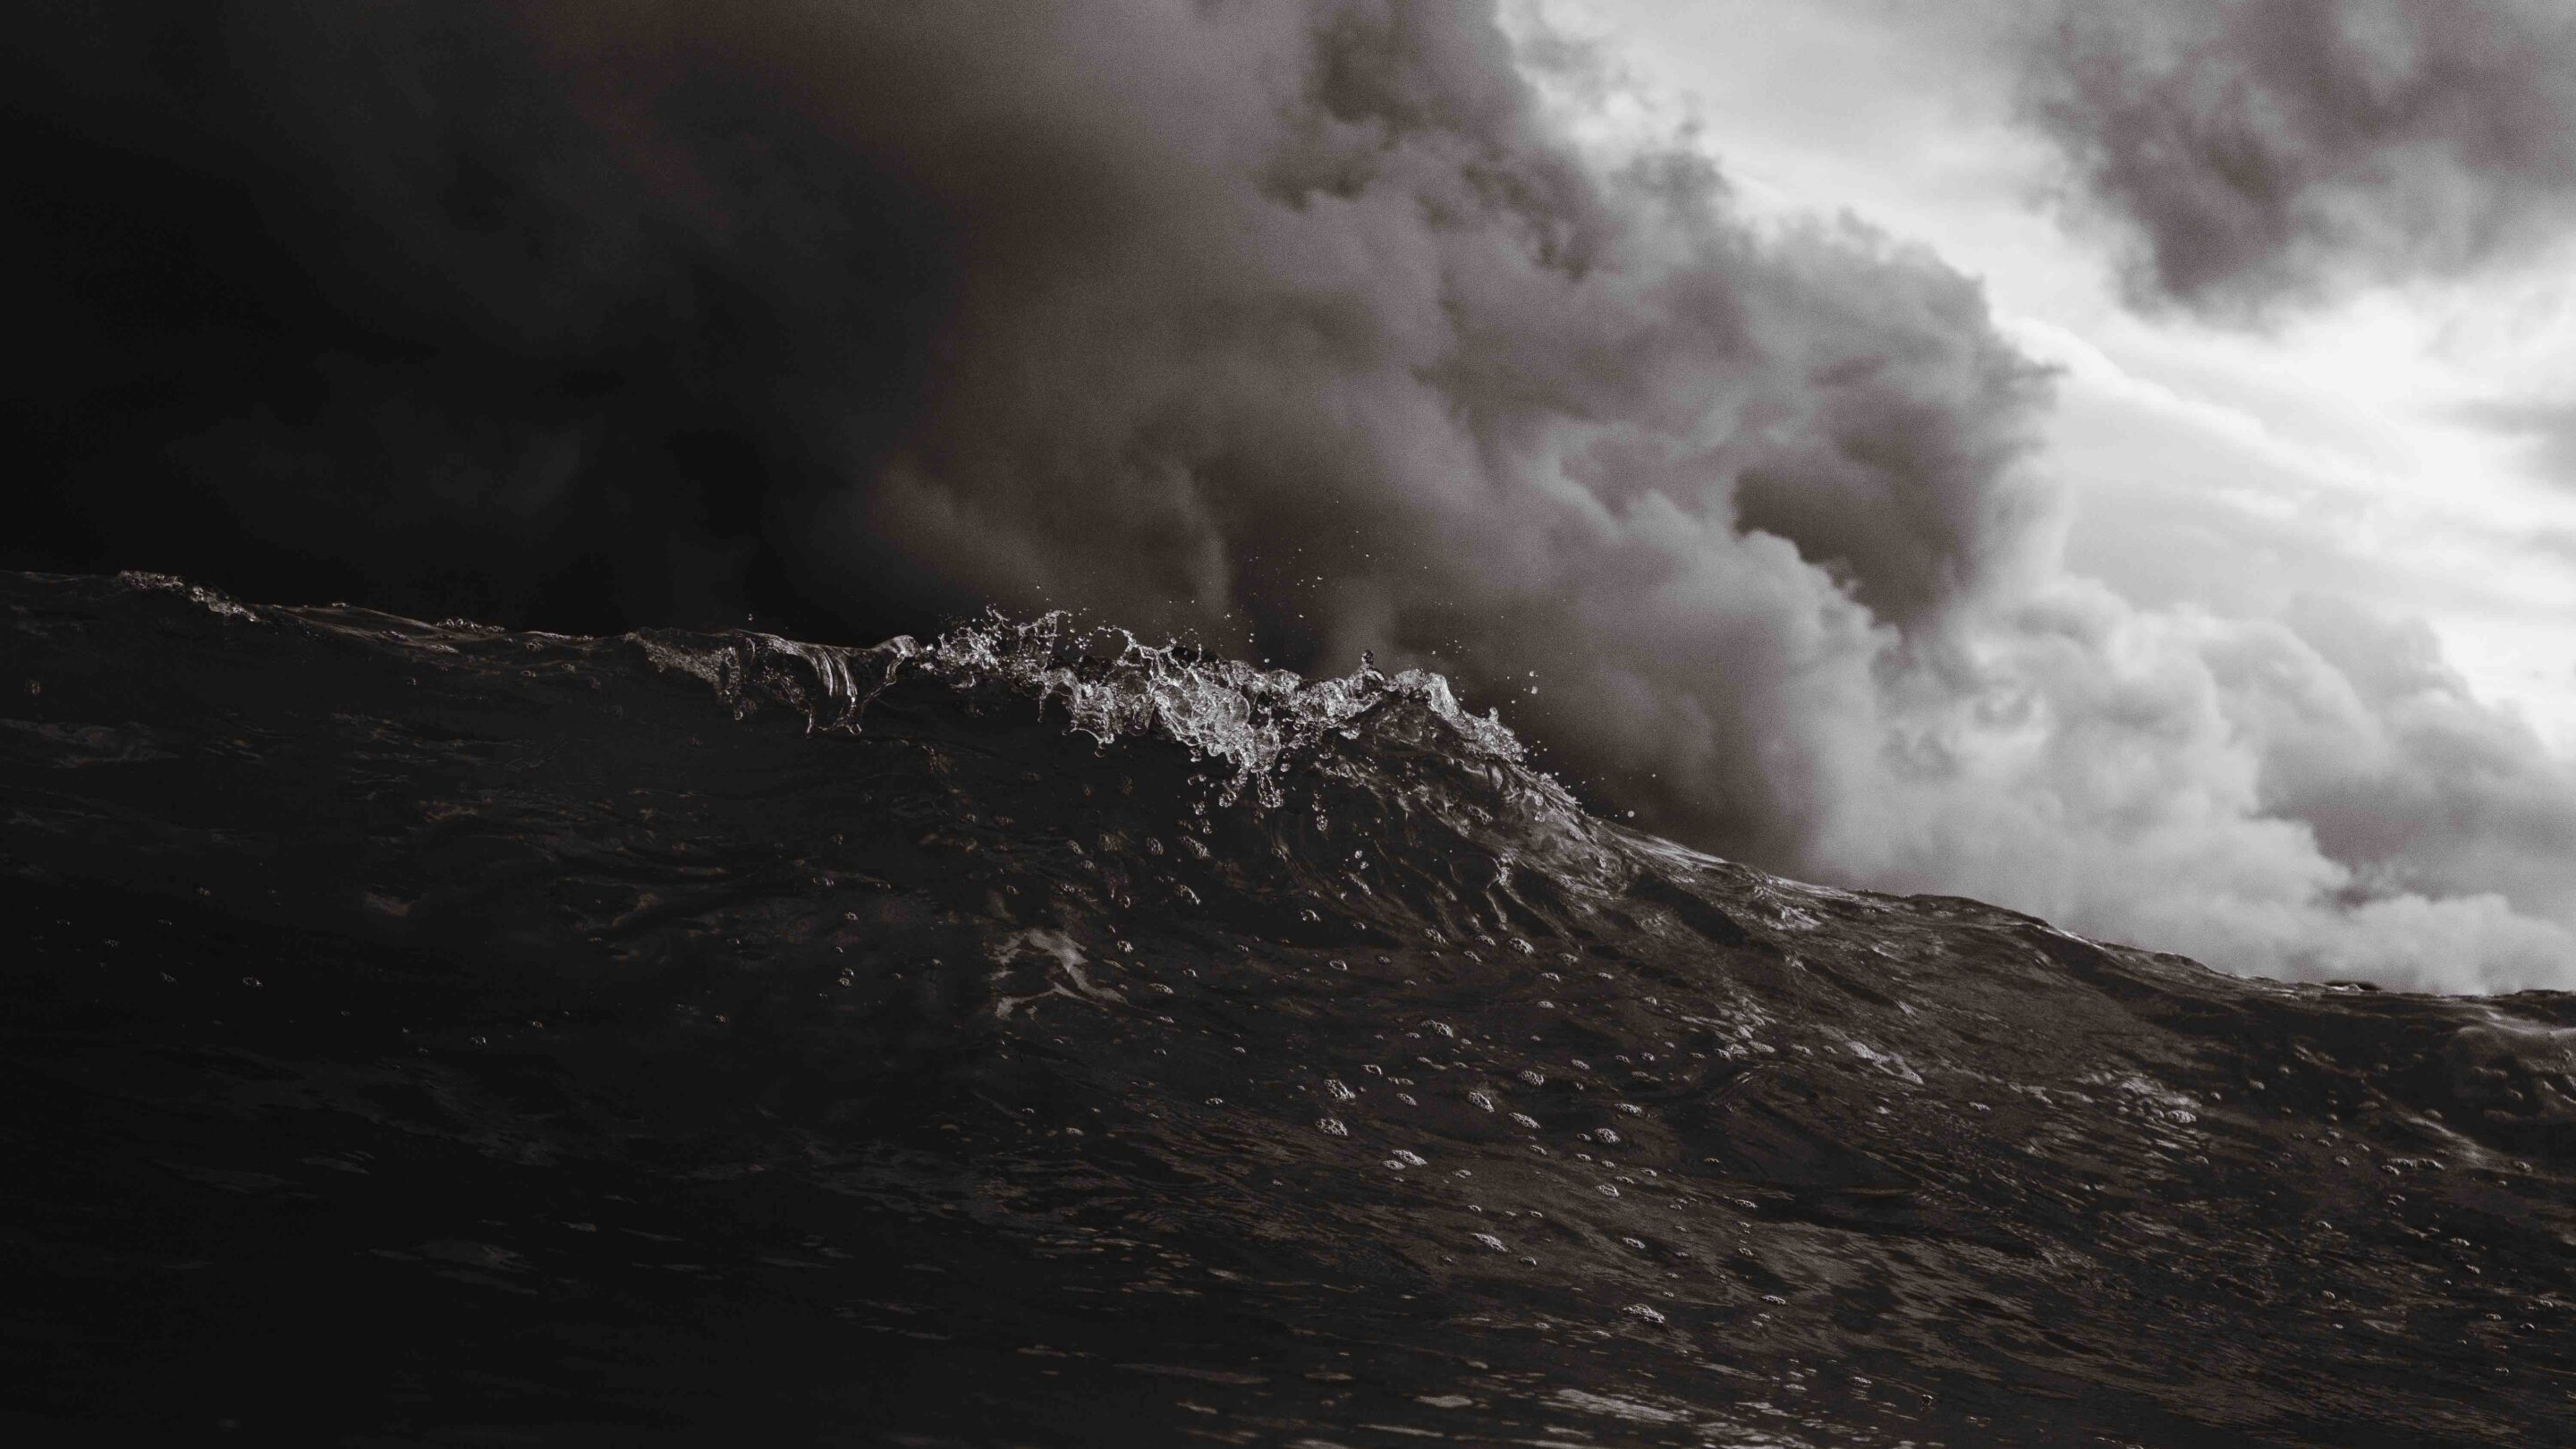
{"points": [[1304, 329], [2255, 153]]}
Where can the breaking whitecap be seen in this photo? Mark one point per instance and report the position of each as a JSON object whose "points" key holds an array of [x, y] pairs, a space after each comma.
{"points": [[1110, 685]]}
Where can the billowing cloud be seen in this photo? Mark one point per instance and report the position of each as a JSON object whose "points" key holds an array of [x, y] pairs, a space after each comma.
{"points": [[2254, 152], [1304, 328], [2319, 796]]}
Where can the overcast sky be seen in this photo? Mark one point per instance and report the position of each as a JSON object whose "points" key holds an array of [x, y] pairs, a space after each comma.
{"points": [[2406, 442], [2113, 460], [2362, 406]]}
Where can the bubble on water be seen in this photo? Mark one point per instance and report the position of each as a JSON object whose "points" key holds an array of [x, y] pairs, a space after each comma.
{"points": [[1481, 1100], [1333, 1125], [1637, 1243], [1631, 1108], [1412, 1158], [1606, 1135], [1608, 1191], [1490, 1241], [1374, 1070], [1525, 1120], [1396, 1163], [1339, 1092], [1442, 1027], [1640, 1310], [1534, 1076]]}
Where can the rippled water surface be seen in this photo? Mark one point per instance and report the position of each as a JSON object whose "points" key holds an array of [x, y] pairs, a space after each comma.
{"points": [[424, 1034]]}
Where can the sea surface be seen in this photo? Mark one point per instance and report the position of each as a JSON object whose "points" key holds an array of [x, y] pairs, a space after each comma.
{"points": [[423, 1034]]}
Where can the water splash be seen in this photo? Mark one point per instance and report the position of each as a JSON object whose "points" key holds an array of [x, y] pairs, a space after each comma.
{"points": [[1109, 684]]}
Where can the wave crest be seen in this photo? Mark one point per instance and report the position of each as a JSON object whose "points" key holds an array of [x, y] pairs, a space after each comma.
{"points": [[1110, 685]]}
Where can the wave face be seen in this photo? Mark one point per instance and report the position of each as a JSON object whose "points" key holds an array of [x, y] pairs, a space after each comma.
{"points": [[431, 1034]]}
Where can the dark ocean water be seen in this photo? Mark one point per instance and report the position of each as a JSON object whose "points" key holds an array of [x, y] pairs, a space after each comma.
{"points": [[427, 1035]]}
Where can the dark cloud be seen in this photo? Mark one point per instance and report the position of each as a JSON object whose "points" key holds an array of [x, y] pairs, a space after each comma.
{"points": [[2261, 151], [1298, 325], [2368, 737], [442, 307], [1304, 327]]}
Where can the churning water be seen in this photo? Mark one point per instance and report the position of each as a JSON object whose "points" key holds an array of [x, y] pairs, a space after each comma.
{"points": [[426, 1034]]}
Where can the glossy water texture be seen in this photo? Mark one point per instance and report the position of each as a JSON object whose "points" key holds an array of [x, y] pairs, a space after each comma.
{"points": [[423, 1034]]}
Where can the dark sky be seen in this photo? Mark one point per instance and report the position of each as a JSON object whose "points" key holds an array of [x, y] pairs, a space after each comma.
{"points": [[449, 308], [1304, 328]]}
